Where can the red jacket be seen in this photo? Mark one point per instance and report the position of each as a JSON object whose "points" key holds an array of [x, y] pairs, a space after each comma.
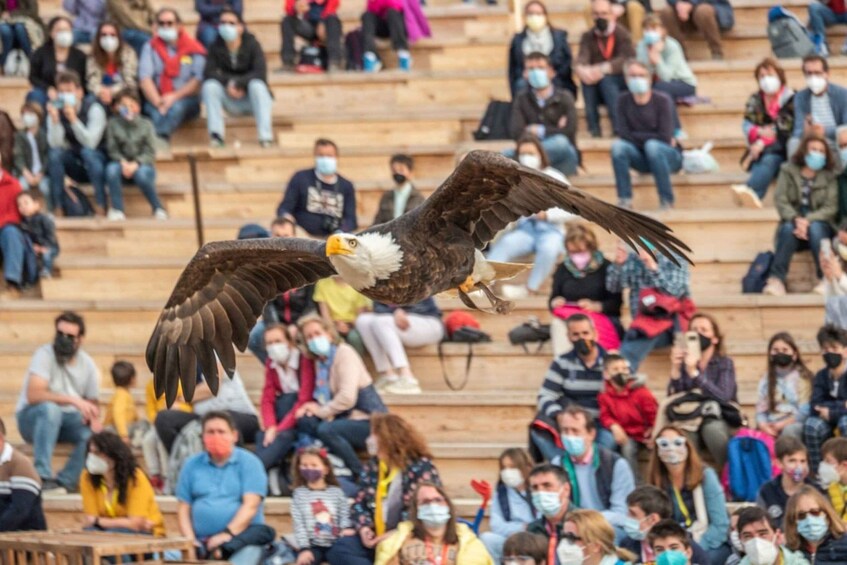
{"points": [[272, 389], [330, 7], [634, 409], [9, 190]]}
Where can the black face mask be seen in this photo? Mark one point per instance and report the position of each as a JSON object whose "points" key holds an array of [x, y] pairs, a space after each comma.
{"points": [[399, 179], [705, 342], [832, 360], [602, 24], [582, 347], [64, 347], [782, 359], [620, 379]]}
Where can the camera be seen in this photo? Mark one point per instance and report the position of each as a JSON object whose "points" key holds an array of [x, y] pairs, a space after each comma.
{"points": [[331, 224]]}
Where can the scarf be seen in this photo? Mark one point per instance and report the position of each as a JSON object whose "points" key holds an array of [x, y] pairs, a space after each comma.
{"points": [[185, 47], [386, 477], [541, 41], [593, 265], [322, 392]]}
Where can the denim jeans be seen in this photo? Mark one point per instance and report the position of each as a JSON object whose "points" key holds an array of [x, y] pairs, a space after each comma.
{"points": [[531, 236], [636, 346], [256, 342], [13, 35], [250, 555], [43, 425], [341, 436], [257, 102], [135, 38], [181, 111], [821, 17], [657, 158], [17, 267], [787, 244], [88, 165], [604, 92], [206, 34], [144, 178], [82, 36], [815, 432], [48, 258], [763, 171], [275, 453], [350, 551]]}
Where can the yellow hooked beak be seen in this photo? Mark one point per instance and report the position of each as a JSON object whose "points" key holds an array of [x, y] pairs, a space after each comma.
{"points": [[335, 245]]}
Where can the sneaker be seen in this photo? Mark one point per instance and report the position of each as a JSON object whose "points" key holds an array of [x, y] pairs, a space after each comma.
{"points": [[216, 141], [514, 291], [404, 385], [625, 203], [52, 487], [160, 214], [382, 383], [821, 47], [405, 60], [10, 293], [774, 287], [680, 135], [266, 143], [114, 215], [44, 274], [273, 481], [665, 206], [371, 62], [820, 288], [596, 133], [746, 197]]}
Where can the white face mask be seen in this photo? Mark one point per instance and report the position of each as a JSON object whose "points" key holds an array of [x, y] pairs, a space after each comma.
{"points": [[279, 352], [735, 540], [827, 474], [64, 38], [30, 120], [96, 465], [530, 160], [372, 446], [570, 554], [512, 478], [770, 84], [817, 84], [109, 43], [761, 551]]}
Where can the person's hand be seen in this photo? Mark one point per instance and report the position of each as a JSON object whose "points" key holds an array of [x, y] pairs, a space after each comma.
{"points": [[619, 434], [558, 301], [52, 93], [368, 537], [621, 253], [823, 413], [38, 248], [95, 425], [270, 436], [401, 319], [756, 150], [342, 327], [768, 428], [683, 11], [88, 521], [140, 524], [677, 359], [37, 177], [218, 540], [348, 532], [87, 408], [166, 101], [654, 54], [541, 216], [29, 178], [819, 130], [767, 132], [308, 409], [53, 112], [70, 113], [801, 228], [305, 558], [129, 168], [590, 305], [234, 91]]}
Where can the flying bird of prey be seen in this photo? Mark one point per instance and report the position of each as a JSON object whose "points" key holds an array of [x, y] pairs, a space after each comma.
{"points": [[430, 249]]}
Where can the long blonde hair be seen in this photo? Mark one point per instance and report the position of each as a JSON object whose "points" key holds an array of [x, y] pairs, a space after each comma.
{"points": [[793, 540], [592, 527]]}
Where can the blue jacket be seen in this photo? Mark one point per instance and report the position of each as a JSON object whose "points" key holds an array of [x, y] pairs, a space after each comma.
{"points": [[833, 551], [822, 396], [717, 532], [803, 107]]}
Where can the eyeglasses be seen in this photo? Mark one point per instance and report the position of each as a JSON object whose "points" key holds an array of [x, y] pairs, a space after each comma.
{"points": [[572, 538], [665, 443], [166, 23], [802, 515]]}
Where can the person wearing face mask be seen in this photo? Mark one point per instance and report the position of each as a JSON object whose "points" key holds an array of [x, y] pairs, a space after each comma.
{"points": [[828, 405], [807, 202], [59, 399], [761, 541], [404, 196], [210, 15], [782, 403], [320, 200], [88, 15], [589, 539], [699, 504], [793, 460], [112, 66], [30, 150], [551, 496], [116, 493], [289, 384], [130, 141], [135, 19], [579, 286], [220, 497], [767, 126], [832, 473], [813, 529], [820, 107], [712, 374], [548, 113], [599, 65], [539, 36], [627, 408], [56, 56], [20, 28], [671, 545], [315, 21], [645, 130], [511, 507], [432, 534]]}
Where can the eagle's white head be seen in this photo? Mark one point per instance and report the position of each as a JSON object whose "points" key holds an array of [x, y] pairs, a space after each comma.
{"points": [[363, 259]]}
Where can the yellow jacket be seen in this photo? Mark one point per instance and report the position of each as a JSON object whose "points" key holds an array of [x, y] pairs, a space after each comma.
{"points": [[837, 496], [471, 549], [154, 405]]}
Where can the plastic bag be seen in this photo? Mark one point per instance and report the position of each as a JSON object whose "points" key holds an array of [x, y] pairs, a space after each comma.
{"points": [[700, 160]]}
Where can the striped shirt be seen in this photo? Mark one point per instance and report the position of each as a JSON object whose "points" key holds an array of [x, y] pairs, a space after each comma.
{"points": [[319, 516], [20, 493], [822, 111], [569, 381]]}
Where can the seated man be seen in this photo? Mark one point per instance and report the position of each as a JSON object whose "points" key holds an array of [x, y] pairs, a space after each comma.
{"points": [[645, 130], [599, 64], [76, 123], [547, 112], [600, 479], [58, 402], [669, 537], [210, 13], [404, 197], [762, 541], [170, 71], [235, 80], [220, 495], [20, 501], [312, 20], [774, 494], [573, 379], [708, 17], [820, 107], [828, 406], [628, 13], [320, 200], [551, 497]]}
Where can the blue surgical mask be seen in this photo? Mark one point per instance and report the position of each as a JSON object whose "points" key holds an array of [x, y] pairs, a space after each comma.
{"points": [[574, 445], [638, 85], [326, 165], [548, 503], [813, 528], [69, 99], [842, 153], [167, 34], [815, 160], [652, 37], [126, 113], [632, 527], [538, 78], [672, 557], [320, 346], [229, 32], [434, 515]]}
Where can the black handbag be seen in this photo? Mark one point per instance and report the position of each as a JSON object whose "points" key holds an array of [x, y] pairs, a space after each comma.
{"points": [[464, 334], [531, 331]]}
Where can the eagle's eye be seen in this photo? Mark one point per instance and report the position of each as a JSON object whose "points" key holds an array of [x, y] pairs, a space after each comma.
{"points": [[352, 242]]}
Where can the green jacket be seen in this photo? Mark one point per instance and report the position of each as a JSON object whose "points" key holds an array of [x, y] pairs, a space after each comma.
{"points": [[131, 141], [823, 201]]}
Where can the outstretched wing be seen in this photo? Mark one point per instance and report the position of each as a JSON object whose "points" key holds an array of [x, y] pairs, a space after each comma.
{"points": [[487, 191], [216, 302]]}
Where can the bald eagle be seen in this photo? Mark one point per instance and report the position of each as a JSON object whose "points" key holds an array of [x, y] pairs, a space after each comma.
{"points": [[430, 249]]}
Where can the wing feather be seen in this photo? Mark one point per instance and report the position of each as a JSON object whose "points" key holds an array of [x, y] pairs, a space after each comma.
{"points": [[216, 302]]}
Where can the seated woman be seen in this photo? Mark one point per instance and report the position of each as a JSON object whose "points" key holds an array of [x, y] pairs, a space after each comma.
{"points": [[289, 384], [112, 65], [813, 528], [768, 122], [432, 531], [344, 398], [400, 461], [540, 37], [540, 234], [698, 499], [579, 287], [30, 150], [116, 494], [401, 20], [511, 506], [807, 201], [713, 374], [20, 28], [57, 54], [591, 538], [388, 330], [782, 403]]}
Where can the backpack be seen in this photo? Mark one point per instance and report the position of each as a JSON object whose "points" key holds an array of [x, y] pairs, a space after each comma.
{"points": [[7, 140], [188, 442], [749, 466], [757, 275], [354, 46], [495, 122], [17, 64], [788, 37], [75, 204]]}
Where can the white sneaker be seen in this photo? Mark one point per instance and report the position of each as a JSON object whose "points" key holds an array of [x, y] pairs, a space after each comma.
{"points": [[774, 287], [514, 291], [273, 481], [820, 288], [382, 383], [160, 214], [114, 215], [404, 385], [746, 197]]}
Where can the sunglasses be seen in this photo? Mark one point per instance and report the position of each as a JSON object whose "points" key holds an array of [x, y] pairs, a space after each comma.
{"points": [[572, 538], [665, 443], [802, 515]]}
